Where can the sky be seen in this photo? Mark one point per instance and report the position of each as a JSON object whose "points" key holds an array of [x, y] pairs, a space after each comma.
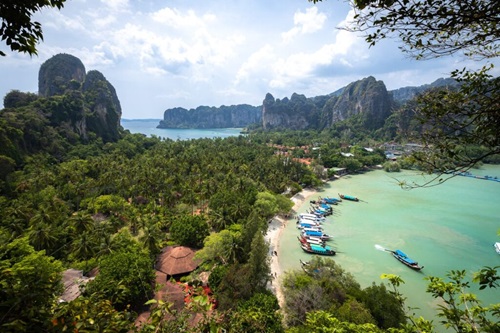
{"points": [[179, 53]]}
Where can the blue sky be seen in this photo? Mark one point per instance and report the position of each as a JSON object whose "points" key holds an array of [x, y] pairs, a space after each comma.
{"points": [[165, 54]]}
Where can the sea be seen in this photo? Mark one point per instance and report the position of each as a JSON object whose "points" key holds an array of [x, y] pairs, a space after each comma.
{"points": [[452, 226], [148, 127]]}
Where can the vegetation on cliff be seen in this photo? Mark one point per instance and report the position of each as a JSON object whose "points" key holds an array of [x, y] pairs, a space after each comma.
{"points": [[72, 198]]}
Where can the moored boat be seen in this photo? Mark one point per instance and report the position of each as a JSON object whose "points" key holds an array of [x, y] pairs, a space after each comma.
{"points": [[311, 217], [330, 200], [309, 227], [312, 229], [316, 249], [497, 247], [318, 234], [316, 241], [313, 239], [402, 257], [348, 197], [306, 221]]}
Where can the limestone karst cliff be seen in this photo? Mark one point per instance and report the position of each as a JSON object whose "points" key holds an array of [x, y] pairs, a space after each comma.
{"points": [[367, 100], [91, 102], [235, 116]]}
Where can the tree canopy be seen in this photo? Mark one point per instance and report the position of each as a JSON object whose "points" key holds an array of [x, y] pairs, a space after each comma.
{"points": [[18, 31], [429, 29]]}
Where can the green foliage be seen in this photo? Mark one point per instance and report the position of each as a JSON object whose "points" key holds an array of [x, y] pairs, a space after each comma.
{"points": [[432, 29], [351, 164], [258, 314], [458, 123], [259, 273], [189, 230], [124, 277], [355, 312], [19, 32], [391, 166], [266, 204], [216, 276], [322, 321], [384, 306], [461, 310], [107, 204], [328, 289], [17, 99], [29, 283], [218, 247], [89, 315]]}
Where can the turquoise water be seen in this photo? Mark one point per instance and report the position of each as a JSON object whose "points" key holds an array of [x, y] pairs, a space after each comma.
{"points": [[448, 227], [148, 127]]}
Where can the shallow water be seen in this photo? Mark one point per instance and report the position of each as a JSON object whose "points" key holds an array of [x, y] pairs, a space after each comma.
{"points": [[448, 227]]}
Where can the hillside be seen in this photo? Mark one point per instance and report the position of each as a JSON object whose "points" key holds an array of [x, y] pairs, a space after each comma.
{"points": [[72, 106]]}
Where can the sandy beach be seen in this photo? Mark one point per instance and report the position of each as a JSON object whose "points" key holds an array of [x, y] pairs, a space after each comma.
{"points": [[274, 230]]}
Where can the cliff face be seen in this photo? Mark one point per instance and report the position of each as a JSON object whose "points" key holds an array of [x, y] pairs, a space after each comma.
{"points": [[59, 73], [105, 110], [88, 102], [240, 115], [366, 98], [298, 112]]}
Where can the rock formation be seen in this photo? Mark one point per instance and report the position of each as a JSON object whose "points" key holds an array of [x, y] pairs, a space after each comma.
{"points": [[234, 116], [90, 102]]}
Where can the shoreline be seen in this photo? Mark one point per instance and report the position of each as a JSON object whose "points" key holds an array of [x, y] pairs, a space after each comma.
{"points": [[274, 231]]}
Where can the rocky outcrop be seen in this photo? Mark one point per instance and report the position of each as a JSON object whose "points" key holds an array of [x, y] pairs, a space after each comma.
{"points": [[59, 73], [366, 98], [234, 116], [105, 110], [298, 112], [89, 102]]}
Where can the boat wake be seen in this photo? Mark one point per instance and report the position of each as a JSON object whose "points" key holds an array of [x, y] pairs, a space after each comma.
{"points": [[379, 247]]}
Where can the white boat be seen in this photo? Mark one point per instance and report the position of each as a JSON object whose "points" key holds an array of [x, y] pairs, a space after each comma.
{"points": [[315, 240], [497, 247], [316, 223], [312, 229], [312, 240], [312, 217]]}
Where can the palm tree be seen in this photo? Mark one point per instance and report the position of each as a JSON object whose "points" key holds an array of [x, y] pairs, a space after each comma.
{"points": [[83, 246], [41, 236], [81, 222], [150, 239]]}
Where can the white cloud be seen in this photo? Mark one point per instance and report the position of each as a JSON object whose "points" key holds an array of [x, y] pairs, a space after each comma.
{"points": [[160, 54], [116, 5], [255, 64], [306, 22]]}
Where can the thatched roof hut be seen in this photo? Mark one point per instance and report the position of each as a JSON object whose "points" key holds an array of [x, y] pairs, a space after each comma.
{"points": [[177, 260]]}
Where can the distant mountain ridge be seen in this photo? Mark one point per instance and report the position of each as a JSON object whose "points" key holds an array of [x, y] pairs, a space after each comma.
{"points": [[367, 99]]}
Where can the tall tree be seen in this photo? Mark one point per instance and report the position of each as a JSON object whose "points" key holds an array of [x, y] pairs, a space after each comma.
{"points": [[259, 264]]}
